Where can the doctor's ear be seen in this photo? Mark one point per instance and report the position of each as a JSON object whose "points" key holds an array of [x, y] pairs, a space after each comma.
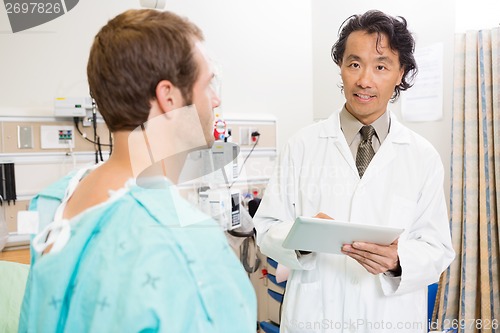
{"points": [[168, 96]]}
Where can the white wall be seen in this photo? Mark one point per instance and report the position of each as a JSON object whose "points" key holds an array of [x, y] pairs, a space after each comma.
{"points": [[477, 15], [430, 21], [263, 49]]}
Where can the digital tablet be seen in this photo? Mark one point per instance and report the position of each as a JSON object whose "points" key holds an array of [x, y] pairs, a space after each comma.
{"points": [[322, 235]]}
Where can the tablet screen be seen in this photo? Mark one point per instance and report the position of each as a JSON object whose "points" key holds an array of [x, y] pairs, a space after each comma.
{"points": [[328, 236]]}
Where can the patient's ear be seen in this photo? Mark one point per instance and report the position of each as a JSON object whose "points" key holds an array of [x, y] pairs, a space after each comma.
{"points": [[168, 96]]}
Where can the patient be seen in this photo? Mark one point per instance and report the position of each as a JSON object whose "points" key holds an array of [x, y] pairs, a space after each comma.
{"points": [[113, 256]]}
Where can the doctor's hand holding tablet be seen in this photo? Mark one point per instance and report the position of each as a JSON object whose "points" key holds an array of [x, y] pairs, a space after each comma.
{"points": [[373, 247]]}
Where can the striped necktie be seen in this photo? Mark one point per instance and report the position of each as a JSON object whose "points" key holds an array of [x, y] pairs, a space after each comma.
{"points": [[365, 149]]}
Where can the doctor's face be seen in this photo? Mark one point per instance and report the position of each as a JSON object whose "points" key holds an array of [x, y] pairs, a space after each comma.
{"points": [[370, 72]]}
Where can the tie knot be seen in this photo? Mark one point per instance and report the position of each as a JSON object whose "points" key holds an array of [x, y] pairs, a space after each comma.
{"points": [[367, 132]]}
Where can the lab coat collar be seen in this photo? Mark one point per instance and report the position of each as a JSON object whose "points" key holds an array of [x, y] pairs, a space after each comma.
{"points": [[398, 133], [330, 128]]}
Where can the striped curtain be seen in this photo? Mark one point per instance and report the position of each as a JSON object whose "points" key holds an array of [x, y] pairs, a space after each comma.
{"points": [[468, 298]]}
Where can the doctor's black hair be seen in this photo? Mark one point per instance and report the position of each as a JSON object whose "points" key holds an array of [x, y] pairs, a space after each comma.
{"points": [[399, 39]]}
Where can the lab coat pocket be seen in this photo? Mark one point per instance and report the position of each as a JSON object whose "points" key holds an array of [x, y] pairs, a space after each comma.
{"points": [[303, 309], [402, 212], [410, 312]]}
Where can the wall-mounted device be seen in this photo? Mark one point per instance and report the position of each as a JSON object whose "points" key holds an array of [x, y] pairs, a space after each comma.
{"points": [[72, 106], [57, 137], [156, 4]]}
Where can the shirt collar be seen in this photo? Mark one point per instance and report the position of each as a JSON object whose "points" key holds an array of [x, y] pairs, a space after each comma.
{"points": [[351, 126]]}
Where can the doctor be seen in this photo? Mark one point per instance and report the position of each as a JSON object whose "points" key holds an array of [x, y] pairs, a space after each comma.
{"points": [[361, 165]]}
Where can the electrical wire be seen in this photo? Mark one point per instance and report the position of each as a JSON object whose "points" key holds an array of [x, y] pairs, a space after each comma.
{"points": [[84, 136], [244, 256], [71, 153], [110, 143], [256, 134], [252, 232], [100, 148], [97, 146], [97, 140]]}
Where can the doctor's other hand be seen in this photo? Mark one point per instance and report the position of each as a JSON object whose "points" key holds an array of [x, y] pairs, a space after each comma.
{"points": [[375, 258]]}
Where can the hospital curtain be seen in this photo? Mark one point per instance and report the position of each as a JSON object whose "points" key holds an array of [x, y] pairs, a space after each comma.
{"points": [[468, 296]]}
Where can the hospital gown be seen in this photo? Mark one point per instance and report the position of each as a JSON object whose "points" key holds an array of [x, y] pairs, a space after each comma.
{"points": [[146, 261]]}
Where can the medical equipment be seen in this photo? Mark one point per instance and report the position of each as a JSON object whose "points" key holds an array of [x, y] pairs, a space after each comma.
{"points": [[7, 194], [220, 130], [83, 109], [222, 205], [216, 198], [72, 106], [8, 183], [156, 4]]}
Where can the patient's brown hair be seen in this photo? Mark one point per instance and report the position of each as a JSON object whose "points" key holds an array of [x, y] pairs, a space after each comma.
{"points": [[131, 54]]}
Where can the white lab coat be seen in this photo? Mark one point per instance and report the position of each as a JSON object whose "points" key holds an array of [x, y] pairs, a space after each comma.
{"points": [[402, 187]]}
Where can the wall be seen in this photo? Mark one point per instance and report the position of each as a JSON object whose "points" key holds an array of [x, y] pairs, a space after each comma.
{"points": [[264, 54], [430, 22], [476, 15]]}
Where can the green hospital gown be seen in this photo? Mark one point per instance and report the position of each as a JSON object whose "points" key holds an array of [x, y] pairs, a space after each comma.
{"points": [[144, 261]]}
